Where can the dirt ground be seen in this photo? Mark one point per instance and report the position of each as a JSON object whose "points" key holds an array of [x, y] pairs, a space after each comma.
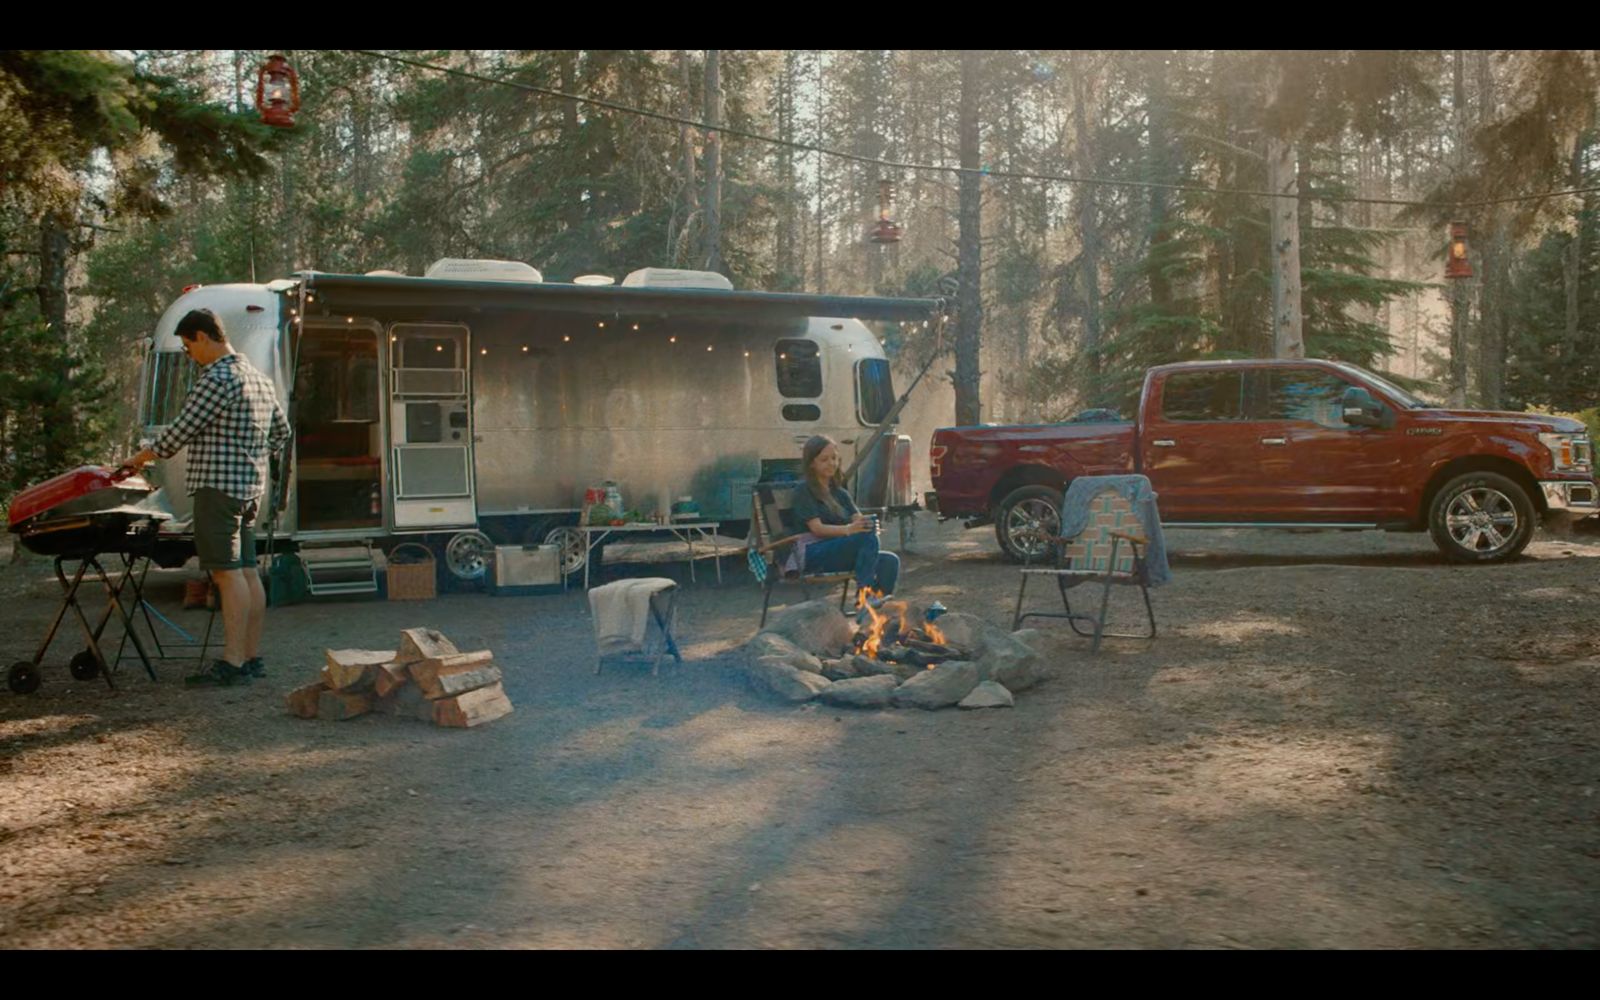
{"points": [[1337, 741]]}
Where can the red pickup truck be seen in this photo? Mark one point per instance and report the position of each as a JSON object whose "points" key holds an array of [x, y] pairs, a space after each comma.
{"points": [[1283, 444]]}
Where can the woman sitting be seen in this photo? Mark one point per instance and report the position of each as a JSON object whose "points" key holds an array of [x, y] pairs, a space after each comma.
{"points": [[841, 537]]}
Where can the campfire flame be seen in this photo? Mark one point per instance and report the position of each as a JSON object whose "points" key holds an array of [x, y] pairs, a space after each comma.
{"points": [[875, 623], [892, 620]]}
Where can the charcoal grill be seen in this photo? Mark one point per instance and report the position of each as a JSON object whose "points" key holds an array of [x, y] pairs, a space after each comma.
{"points": [[83, 516]]}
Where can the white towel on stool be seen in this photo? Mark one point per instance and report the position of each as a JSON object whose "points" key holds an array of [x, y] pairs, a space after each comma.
{"points": [[621, 610]]}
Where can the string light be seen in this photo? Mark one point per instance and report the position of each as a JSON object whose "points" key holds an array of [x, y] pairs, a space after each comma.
{"points": [[524, 348], [636, 326], [566, 338], [670, 340], [708, 347], [483, 350]]}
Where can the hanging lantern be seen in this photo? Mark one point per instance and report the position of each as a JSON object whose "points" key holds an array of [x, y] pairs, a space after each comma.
{"points": [[1455, 263], [885, 230], [277, 92]]}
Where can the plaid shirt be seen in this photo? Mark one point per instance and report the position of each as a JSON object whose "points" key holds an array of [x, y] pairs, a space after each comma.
{"points": [[232, 421]]}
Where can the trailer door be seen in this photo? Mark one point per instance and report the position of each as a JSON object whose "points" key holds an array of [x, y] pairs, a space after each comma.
{"points": [[431, 426]]}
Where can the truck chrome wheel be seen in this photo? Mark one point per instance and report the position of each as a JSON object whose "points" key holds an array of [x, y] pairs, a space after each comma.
{"points": [[468, 554], [1023, 517], [1481, 517], [571, 541]]}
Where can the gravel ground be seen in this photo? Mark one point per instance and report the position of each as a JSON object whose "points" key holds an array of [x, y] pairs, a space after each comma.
{"points": [[1338, 740]]}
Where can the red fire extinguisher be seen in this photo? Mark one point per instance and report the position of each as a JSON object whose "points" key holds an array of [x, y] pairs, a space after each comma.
{"points": [[377, 500]]}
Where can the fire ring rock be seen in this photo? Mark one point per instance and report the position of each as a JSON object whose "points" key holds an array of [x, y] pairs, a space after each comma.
{"points": [[818, 627], [786, 681], [861, 692], [771, 644], [939, 686], [988, 695]]}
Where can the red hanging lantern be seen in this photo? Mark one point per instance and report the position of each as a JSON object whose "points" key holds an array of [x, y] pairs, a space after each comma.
{"points": [[1455, 262], [885, 230], [277, 92]]}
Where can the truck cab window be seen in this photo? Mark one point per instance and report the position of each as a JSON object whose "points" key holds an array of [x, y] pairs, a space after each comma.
{"points": [[874, 391], [1203, 395], [799, 368], [1306, 394]]}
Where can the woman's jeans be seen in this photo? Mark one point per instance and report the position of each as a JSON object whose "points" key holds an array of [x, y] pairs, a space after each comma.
{"points": [[858, 552]]}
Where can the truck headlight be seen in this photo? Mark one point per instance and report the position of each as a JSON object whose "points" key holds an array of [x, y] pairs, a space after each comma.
{"points": [[1569, 452]]}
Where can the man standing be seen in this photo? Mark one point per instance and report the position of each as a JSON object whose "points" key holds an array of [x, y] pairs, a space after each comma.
{"points": [[231, 423]]}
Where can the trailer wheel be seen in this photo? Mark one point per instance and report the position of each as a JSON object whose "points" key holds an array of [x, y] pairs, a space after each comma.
{"points": [[571, 542], [467, 555], [1025, 513], [23, 677], [84, 666]]}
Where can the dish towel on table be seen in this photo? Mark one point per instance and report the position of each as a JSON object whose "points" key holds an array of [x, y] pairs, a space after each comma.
{"points": [[621, 611]]}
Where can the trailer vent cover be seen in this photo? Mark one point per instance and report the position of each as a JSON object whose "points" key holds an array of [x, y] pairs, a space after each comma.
{"points": [[668, 277], [462, 269]]}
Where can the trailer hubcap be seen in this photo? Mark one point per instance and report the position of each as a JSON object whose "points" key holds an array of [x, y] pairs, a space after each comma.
{"points": [[467, 556]]}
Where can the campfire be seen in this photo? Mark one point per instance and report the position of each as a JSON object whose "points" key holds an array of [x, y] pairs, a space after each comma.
{"points": [[890, 635]]}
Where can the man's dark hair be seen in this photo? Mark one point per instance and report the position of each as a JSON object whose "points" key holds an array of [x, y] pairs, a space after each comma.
{"points": [[198, 321]]}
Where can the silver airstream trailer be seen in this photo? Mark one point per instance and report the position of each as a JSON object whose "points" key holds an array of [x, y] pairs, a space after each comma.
{"points": [[475, 405]]}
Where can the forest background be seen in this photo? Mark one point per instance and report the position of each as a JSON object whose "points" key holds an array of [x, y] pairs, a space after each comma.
{"points": [[1088, 213]]}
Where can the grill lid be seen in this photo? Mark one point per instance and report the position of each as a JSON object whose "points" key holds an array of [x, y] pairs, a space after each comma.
{"points": [[85, 490]]}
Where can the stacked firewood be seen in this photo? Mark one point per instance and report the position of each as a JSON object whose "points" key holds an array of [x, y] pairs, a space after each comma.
{"points": [[427, 678], [914, 647]]}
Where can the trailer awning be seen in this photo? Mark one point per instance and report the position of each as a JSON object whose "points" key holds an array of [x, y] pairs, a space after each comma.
{"points": [[374, 293]]}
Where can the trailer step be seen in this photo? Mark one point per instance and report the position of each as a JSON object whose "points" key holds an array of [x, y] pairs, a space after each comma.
{"points": [[339, 569]]}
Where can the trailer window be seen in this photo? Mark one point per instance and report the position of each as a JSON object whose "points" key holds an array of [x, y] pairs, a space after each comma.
{"points": [[799, 368], [874, 391], [171, 375], [1204, 395]]}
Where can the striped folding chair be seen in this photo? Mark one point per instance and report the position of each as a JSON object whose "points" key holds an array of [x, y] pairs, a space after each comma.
{"points": [[1110, 550]]}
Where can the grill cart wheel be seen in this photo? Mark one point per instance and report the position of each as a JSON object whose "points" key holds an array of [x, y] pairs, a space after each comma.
{"points": [[23, 677], [84, 666]]}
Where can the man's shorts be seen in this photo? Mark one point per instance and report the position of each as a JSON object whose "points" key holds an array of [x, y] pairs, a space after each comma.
{"points": [[224, 529]]}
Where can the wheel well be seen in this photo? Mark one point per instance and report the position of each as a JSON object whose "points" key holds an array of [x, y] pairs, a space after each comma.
{"points": [[1026, 475], [1482, 463]]}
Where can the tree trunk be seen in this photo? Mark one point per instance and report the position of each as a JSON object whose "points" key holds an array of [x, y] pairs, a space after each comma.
{"points": [[55, 257], [1495, 290], [1573, 263], [790, 224], [1283, 178], [1088, 225], [679, 235], [1157, 171], [713, 209], [1459, 303], [969, 297]]}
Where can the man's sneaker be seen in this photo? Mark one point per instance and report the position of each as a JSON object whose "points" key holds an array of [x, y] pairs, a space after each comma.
{"points": [[221, 673], [253, 667]]}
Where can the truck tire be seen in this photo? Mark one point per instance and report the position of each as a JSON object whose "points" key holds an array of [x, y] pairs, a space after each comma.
{"points": [[1023, 511], [1481, 517]]}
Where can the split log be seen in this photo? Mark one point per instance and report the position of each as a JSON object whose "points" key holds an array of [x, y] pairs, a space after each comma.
{"points": [[407, 702], [423, 643], [390, 678], [474, 708], [341, 705], [448, 685], [426, 672], [303, 700], [353, 669]]}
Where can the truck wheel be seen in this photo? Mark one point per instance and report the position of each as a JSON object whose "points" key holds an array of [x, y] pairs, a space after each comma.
{"points": [[1481, 517], [1022, 516]]}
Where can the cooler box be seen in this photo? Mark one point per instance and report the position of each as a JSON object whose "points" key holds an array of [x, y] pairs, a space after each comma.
{"points": [[527, 569]]}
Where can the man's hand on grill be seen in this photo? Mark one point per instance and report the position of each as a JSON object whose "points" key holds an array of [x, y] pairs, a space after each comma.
{"points": [[139, 461]]}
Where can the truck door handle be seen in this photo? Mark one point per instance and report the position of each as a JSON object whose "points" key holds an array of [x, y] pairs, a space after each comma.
{"points": [[1164, 443], [1279, 441]]}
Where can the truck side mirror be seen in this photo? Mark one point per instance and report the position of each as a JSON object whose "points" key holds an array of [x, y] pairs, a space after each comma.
{"points": [[1360, 409]]}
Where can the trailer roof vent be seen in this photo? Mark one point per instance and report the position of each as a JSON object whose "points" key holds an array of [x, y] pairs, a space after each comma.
{"points": [[462, 269], [670, 277]]}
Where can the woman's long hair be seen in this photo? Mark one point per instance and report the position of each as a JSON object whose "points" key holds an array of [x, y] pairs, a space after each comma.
{"points": [[821, 490]]}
